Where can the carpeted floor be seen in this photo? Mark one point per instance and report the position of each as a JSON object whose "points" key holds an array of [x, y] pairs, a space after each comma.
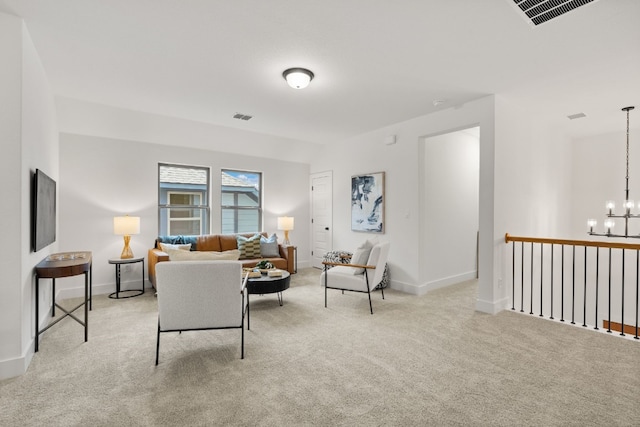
{"points": [[429, 360]]}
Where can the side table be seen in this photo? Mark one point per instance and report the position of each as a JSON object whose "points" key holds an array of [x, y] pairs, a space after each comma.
{"points": [[118, 263], [65, 264]]}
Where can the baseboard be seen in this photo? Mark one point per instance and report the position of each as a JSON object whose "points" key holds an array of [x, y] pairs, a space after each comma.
{"points": [[12, 368], [407, 288], [451, 280], [106, 288], [616, 326], [492, 307], [424, 288]]}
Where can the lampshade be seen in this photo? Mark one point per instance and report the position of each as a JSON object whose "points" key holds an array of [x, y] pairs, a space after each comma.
{"points": [[126, 225], [285, 223], [298, 78]]}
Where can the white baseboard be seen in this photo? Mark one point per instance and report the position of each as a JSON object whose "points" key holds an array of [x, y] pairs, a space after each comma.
{"points": [[492, 307], [105, 288], [12, 368]]}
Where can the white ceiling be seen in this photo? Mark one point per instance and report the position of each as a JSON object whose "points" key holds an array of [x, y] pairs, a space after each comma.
{"points": [[377, 62]]}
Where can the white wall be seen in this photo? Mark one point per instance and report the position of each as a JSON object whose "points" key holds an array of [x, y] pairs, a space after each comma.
{"points": [[532, 183], [104, 177], [401, 162], [84, 118], [29, 141], [451, 167]]}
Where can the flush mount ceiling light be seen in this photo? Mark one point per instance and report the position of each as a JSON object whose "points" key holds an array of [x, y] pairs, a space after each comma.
{"points": [[298, 78]]}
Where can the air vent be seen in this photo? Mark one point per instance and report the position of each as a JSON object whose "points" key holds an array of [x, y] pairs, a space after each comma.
{"points": [[541, 11], [241, 116], [577, 116]]}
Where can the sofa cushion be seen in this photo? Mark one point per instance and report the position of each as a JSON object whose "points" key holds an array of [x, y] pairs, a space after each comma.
{"points": [[269, 246], [167, 246], [249, 247], [179, 255], [177, 240], [209, 242]]}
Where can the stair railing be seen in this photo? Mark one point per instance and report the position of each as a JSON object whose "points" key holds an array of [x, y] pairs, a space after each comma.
{"points": [[570, 279]]}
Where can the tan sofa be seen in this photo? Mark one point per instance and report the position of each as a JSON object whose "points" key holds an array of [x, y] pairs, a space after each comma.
{"points": [[218, 243]]}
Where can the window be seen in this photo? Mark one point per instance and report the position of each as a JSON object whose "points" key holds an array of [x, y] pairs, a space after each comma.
{"points": [[241, 201], [183, 200]]}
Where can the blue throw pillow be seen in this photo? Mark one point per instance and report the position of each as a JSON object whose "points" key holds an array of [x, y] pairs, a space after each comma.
{"points": [[269, 246]]}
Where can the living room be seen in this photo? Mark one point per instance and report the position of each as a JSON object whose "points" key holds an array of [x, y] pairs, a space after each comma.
{"points": [[105, 159]]}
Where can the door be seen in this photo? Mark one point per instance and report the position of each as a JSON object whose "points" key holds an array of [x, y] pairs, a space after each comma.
{"points": [[321, 216]]}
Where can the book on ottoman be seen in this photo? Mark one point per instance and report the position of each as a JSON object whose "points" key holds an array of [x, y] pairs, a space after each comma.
{"points": [[274, 273]]}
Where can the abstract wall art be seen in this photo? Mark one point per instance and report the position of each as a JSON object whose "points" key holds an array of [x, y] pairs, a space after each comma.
{"points": [[367, 202]]}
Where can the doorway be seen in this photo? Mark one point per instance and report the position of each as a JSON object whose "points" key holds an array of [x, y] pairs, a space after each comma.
{"points": [[450, 167], [321, 216]]}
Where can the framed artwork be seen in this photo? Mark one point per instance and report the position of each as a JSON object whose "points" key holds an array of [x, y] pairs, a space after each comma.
{"points": [[367, 202]]}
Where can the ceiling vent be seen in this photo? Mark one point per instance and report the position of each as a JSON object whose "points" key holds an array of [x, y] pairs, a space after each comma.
{"points": [[576, 116], [541, 11], [241, 116]]}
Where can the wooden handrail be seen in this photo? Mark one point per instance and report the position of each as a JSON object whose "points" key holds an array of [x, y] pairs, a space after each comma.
{"points": [[614, 245]]}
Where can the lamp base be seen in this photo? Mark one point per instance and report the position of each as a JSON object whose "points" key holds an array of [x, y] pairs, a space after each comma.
{"points": [[286, 238], [126, 251]]}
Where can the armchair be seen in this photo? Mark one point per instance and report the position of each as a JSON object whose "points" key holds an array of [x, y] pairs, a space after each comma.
{"points": [[200, 295], [357, 277]]}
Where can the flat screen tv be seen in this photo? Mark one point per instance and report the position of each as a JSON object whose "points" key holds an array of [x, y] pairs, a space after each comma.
{"points": [[44, 210]]}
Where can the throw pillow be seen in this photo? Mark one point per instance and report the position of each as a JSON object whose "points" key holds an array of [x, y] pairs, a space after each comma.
{"points": [[361, 256], [269, 246], [249, 247], [181, 255], [167, 246]]}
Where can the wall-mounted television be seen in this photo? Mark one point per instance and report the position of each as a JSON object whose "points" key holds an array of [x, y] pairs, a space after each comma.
{"points": [[44, 211]]}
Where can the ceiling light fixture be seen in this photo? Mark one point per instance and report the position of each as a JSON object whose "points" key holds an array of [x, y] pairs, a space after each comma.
{"points": [[627, 204], [298, 78]]}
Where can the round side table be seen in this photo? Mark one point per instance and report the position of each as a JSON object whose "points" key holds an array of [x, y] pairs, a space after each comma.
{"points": [[118, 263]]}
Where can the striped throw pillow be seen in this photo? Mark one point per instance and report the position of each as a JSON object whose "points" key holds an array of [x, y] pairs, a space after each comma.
{"points": [[249, 247]]}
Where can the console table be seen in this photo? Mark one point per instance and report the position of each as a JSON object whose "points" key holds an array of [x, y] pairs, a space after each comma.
{"points": [[64, 264]]}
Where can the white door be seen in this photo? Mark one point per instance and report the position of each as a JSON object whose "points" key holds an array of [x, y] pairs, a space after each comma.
{"points": [[321, 216]]}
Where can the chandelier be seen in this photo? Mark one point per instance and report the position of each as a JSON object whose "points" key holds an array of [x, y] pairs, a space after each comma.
{"points": [[628, 204]]}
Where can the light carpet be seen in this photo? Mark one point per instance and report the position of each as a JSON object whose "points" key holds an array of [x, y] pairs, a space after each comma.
{"points": [[428, 360]]}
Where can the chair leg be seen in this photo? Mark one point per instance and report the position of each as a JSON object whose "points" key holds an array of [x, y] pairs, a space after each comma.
{"points": [[158, 343], [242, 342], [325, 286], [366, 278], [382, 290]]}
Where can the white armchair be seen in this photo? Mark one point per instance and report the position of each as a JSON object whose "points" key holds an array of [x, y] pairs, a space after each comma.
{"points": [[200, 295], [357, 277]]}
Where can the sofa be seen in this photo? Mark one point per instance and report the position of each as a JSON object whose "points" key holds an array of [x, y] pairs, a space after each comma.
{"points": [[219, 244]]}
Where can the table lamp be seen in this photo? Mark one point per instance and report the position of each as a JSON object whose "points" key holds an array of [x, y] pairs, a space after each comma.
{"points": [[285, 223], [126, 226]]}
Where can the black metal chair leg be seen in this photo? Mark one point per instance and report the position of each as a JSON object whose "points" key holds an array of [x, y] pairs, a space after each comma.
{"points": [[242, 343], [158, 344]]}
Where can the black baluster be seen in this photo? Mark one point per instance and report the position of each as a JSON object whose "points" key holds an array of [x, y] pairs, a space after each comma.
{"points": [[609, 302], [513, 276], [597, 281], [551, 308], [521, 277], [584, 295], [562, 289], [541, 274], [622, 313], [531, 283], [573, 288]]}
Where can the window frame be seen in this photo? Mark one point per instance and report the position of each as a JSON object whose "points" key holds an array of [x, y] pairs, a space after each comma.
{"points": [[205, 201], [236, 208]]}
